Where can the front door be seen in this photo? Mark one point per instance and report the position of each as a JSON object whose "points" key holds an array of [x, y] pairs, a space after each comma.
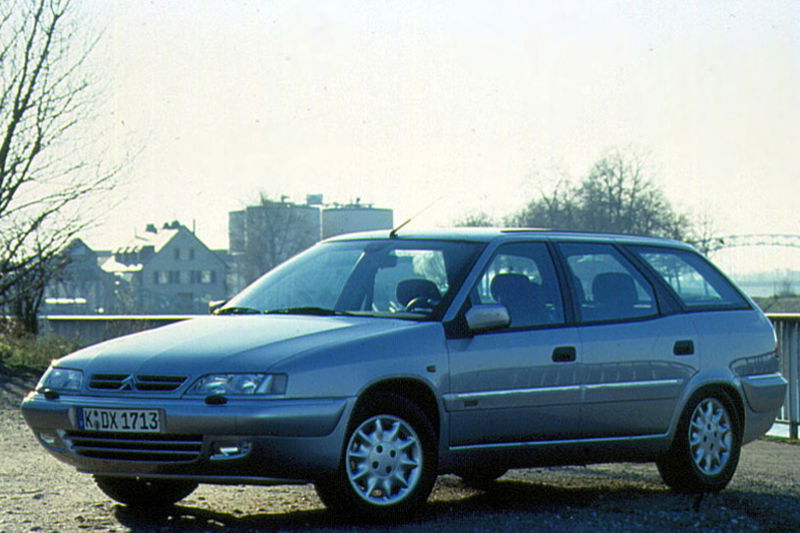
{"points": [[520, 383]]}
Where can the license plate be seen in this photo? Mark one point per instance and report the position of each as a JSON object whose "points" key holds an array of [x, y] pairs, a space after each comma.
{"points": [[120, 420]]}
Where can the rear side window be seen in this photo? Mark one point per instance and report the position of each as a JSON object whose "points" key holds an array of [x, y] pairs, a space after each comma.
{"points": [[608, 287], [698, 284]]}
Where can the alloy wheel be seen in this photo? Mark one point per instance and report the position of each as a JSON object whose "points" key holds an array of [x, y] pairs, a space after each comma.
{"points": [[384, 460], [710, 436]]}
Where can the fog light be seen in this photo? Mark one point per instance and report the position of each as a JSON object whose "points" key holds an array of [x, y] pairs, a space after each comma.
{"points": [[230, 449], [49, 439]]}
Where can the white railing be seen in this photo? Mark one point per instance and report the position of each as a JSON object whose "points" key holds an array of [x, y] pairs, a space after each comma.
{"points": [[787, 329]]}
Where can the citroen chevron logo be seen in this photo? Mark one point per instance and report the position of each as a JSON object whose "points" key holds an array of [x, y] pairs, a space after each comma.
{"points": [[127, 383]]}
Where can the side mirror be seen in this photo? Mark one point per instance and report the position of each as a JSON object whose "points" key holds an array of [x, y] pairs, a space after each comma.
{"points": [[213, 305], [488, 316]]}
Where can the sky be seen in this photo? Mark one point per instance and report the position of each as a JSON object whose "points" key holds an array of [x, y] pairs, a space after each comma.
{"points": [[472, 105]]}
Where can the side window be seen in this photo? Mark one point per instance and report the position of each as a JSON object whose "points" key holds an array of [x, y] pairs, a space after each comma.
{"points": [[608, 287], [694, 280], [521, 276]]}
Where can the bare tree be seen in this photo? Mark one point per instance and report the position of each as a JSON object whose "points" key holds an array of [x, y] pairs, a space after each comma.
{"points": [[26, 295], [477, 219], [274, 231], [45, 96], [558, 209], [616, 196], [704, 235]]}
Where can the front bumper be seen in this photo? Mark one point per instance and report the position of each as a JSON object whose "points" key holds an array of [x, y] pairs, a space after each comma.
{"points": [[242, 441]]}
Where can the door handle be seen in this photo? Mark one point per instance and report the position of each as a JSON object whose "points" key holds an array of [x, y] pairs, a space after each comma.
{"points": [[685, 347], [564, 354]]}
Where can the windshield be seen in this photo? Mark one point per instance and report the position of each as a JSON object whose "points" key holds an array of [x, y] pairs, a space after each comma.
{"points": [[396, 278]]}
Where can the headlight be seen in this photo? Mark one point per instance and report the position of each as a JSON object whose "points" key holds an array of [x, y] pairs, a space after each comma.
{"points": [[239, 384], [61, 379]]}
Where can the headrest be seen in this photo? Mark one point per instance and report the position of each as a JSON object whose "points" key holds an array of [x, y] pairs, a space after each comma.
{"points": [[614, 287], [506, 285]]}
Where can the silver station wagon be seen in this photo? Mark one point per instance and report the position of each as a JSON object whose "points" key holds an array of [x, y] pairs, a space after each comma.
{"points": [[372, 363]]}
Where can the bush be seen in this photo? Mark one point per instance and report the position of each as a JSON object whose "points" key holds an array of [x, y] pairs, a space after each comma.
{"points": [[22, 353]]}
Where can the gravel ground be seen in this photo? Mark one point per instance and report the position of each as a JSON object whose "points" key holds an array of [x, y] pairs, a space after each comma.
{"points": [[39, 494]]}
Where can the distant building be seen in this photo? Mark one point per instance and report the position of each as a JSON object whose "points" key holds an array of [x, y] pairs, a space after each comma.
{"points": [[353, 218], [248, 226], [264, 235], [168, 270], [81, 287]]}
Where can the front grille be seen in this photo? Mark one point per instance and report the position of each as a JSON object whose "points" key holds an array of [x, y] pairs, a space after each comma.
{"points": [[135, 446], [107, 381], [159, 383], [127, 382]]}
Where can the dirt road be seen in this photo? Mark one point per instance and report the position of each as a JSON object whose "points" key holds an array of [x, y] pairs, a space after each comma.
{"points": [[39, 494]]}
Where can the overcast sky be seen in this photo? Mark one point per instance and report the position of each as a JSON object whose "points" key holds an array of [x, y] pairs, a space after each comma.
{"points": [[482, 103]]}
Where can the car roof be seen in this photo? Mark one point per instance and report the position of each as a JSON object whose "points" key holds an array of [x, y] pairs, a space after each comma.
{"points": [[482, 234]]}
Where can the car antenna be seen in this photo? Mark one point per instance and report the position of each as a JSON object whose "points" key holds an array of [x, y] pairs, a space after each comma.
{"points": [[393, 233]]}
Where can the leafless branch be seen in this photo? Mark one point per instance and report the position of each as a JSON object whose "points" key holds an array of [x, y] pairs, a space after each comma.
{"points": [[45, 96]]}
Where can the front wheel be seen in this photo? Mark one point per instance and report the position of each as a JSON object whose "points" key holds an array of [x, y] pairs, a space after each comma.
{"points": [[141, 492], [705, 452], [388, 464]]}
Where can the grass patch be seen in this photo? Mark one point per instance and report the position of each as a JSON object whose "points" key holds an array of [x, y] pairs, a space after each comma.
{"points": [[782, 440], [26, 355], [779, 304]]}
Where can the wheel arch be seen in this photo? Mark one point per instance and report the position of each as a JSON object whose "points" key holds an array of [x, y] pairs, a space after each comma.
{"points": [[412, 389], [730, 391]]}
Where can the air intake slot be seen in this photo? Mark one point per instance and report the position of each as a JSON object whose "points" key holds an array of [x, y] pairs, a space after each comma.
{"points": [[135, 447]]}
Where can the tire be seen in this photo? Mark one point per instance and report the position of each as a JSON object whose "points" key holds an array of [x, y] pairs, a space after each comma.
{"points": [[705, 452], [483, 477], [140, 492], [388, 464]]}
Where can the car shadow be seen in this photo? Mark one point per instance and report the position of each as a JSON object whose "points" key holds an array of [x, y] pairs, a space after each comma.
{"points": [[466, 511], [575, 499]]}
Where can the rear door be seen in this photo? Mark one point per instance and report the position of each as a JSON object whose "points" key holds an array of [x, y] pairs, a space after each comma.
{"points": [[635, 359]]}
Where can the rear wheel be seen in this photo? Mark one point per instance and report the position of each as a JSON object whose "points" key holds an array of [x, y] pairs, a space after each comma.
{"points": [[388, 464], [705, 452], [141, 492]]}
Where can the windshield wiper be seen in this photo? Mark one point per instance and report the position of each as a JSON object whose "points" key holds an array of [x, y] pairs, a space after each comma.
{"points": [[237, 311], [308, 310]]}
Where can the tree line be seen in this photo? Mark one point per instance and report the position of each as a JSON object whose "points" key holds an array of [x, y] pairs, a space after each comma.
{"points": [[618, 195]]}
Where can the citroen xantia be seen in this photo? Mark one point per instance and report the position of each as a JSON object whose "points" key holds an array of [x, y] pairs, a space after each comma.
{"points": [[371, 363]]}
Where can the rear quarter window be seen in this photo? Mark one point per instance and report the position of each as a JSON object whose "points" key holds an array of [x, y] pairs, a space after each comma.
{"points": [[697, 283]]}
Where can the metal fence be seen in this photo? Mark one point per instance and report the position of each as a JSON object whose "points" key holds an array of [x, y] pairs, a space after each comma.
{"points": [[787, 328]]}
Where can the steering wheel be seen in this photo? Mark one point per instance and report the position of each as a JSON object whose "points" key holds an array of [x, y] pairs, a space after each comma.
{"points": [[421, 303]]}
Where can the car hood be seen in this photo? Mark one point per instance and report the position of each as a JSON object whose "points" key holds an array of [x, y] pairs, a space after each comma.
{"points": [[225, 344]]}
